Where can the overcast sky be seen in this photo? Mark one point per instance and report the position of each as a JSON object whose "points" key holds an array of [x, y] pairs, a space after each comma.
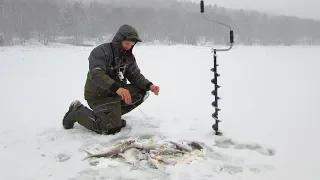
{"points": [[301, 8]]}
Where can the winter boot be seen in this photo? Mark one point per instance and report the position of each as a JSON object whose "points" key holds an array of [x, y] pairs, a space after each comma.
{"points": [[68, 119], [123, 123]]}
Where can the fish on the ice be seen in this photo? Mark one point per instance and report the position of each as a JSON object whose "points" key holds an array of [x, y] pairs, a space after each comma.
{"points": [[166, 161], [181, 146], [195, 145], [113, 151]]}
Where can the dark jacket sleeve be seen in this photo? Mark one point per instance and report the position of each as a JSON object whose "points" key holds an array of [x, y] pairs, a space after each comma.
{"points": [[135, 77], [98, 69]]}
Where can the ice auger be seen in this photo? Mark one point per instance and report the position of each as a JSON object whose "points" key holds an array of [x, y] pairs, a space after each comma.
{"points": [[215, 115]]}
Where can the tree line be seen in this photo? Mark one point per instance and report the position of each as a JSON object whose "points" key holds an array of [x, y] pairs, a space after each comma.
{"points": [[176, 22]]}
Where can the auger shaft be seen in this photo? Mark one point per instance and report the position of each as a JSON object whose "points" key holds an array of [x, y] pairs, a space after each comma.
{"points": [[215, 103]]}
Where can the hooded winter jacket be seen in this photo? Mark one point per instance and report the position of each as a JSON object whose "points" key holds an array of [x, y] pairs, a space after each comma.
{"points": [[106, 60]]}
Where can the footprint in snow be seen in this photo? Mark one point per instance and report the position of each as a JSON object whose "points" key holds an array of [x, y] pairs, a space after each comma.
{"points": [[62, 157], [87, 174], [223, 142], [231, 169], [256, 147], [94, 163], [260, 168]]}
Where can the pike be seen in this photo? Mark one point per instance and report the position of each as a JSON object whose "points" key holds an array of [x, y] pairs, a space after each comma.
{"points": [[111, 152], [195, 145], [181, 147]]}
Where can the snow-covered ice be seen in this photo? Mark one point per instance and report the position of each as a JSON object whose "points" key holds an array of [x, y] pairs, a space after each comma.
{"points": [[269, 111]]}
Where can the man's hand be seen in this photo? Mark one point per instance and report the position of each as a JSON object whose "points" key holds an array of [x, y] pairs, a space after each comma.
{"points": [[125, 95], [155, 89]]}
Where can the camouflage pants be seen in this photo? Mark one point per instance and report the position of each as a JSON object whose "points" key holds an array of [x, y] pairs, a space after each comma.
{"points": [[104, 117]]}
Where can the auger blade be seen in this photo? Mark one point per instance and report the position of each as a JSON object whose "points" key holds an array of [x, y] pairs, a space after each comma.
{"points": [[215, 127], [214, 104], [214, 81], [215, 115], [216, 119]]}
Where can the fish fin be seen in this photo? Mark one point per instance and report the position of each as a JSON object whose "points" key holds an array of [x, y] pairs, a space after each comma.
{"points": [[150, 141], [89, 155], [114, 156], [121, 155]]}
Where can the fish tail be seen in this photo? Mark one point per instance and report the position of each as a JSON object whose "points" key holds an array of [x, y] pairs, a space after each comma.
{"points": [[135, 167], [89, 155]]}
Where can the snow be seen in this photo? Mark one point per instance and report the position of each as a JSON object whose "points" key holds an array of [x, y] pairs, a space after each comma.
{"points": [[269, 112]]}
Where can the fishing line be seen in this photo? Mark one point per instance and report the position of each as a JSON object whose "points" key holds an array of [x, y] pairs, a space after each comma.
{"points": [[143, 99], [141, 112]]}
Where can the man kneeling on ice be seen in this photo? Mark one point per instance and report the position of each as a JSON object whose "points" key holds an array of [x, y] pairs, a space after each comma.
{"points": [[106, 89]]}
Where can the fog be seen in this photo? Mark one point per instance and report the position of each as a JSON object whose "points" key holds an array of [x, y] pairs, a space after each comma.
{"points": [[300, 8]]}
